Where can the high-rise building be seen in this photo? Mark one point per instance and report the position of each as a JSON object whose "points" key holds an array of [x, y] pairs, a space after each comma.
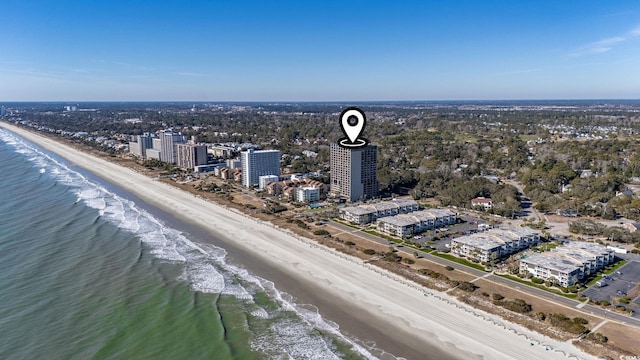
{"points": [[188, 156], [353, 172], [256, 163], [168, 142], [140, 146]]}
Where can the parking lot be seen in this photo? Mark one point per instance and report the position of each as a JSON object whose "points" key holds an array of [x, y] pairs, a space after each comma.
{"points": [[622, 282], [443, 236]]}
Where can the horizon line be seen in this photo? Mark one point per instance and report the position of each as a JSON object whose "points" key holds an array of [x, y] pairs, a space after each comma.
{"points": [[315, 101]]}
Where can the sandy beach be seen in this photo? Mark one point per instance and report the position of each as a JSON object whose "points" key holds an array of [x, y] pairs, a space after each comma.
{"points": [[411, 321]]}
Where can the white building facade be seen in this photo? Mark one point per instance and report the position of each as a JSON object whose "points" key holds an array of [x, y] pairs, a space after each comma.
{"points": [[168, 142], [265, 179], [568, 264], [494, 243], [365, 214], [307, 194], [256, 163], [416, 222]]}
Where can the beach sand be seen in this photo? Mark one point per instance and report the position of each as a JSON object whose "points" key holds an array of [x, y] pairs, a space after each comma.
{"points": [[367, 302]]}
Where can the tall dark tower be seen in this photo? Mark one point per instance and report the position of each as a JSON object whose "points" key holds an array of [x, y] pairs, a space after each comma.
{"points": [[353, 172]]}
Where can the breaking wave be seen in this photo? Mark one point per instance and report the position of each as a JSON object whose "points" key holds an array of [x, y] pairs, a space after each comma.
{"points": [[304, 336]]}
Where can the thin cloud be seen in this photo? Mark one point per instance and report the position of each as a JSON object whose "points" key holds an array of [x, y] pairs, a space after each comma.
{"points": [[605, 45]]}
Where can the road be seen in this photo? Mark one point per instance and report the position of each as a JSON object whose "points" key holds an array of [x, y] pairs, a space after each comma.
{"points": [[533, 211], [558, 299]]}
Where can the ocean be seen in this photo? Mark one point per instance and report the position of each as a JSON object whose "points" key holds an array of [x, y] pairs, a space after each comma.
{"points": [[87, 272]]}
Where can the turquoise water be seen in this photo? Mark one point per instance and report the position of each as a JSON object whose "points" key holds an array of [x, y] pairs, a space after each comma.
{"points": [[85, 273]]}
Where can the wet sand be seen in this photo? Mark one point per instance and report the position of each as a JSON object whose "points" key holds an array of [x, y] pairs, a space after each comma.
{"points": [[367, 302]]}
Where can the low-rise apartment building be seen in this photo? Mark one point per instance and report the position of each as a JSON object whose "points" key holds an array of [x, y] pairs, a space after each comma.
{"points": [[495, 243], [569, 263], [415, 222], [364, 214]]}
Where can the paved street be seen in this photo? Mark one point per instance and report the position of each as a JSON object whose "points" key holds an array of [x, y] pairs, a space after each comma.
{"points": [[574, 304]]}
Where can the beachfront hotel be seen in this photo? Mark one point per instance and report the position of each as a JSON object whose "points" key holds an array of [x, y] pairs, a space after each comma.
{"points": [[416, 222], [168, 142], [494, 243], [139, 147], [190, 156], [353, 172], [568, 264], [364, 214], [256, 163]]}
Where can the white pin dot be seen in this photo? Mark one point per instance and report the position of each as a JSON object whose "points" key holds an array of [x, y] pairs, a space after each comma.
{"points": [[352, 122]]}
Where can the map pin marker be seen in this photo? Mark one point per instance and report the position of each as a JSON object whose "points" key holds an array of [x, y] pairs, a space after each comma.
{"points": [[352, 121]]}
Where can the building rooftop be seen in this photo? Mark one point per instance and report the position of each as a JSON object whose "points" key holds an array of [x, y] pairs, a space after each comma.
{"points": [[558, 262], [593, 248], [482, 241], [505, 234], [382, 206], [379, 206], [439, 212], [521, 231], [398, 220], [423, 215], [405, 202], [358, 210], [579, 255]]}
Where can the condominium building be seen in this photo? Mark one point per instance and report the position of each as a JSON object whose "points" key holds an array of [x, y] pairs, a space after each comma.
{"points": [[222, 151], [353, 172], [154, 151], [189, 156], [168, 142], [256, 163], [152, 154], [365, 214], [140, 145], [416, 222], [234, 163], [307, 194], [289, 189], [265, 179], [568, 264], [494, 243]]}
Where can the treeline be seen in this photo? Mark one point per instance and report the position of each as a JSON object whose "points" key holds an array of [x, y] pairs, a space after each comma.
{"points": [[613, 233], [427, 152]]}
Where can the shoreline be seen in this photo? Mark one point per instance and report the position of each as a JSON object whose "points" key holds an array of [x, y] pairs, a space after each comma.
{"points": [[373, 295]]}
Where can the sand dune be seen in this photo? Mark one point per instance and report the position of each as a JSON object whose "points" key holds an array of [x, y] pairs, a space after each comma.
{"points": [[435, 318]]}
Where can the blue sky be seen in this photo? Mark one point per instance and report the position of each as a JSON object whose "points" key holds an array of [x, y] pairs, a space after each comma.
{"points": [[61, 50]]}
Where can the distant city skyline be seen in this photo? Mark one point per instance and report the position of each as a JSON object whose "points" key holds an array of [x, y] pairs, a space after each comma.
{"points": [[321, 51]]}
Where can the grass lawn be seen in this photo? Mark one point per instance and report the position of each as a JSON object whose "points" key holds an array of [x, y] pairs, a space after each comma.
{"points": [[345, 223], [615, 267], [539, 286], [387, 237], [459, 260]]}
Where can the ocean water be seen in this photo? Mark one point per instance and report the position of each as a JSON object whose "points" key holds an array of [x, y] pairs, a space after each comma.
{"points": [[86, 273]]}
